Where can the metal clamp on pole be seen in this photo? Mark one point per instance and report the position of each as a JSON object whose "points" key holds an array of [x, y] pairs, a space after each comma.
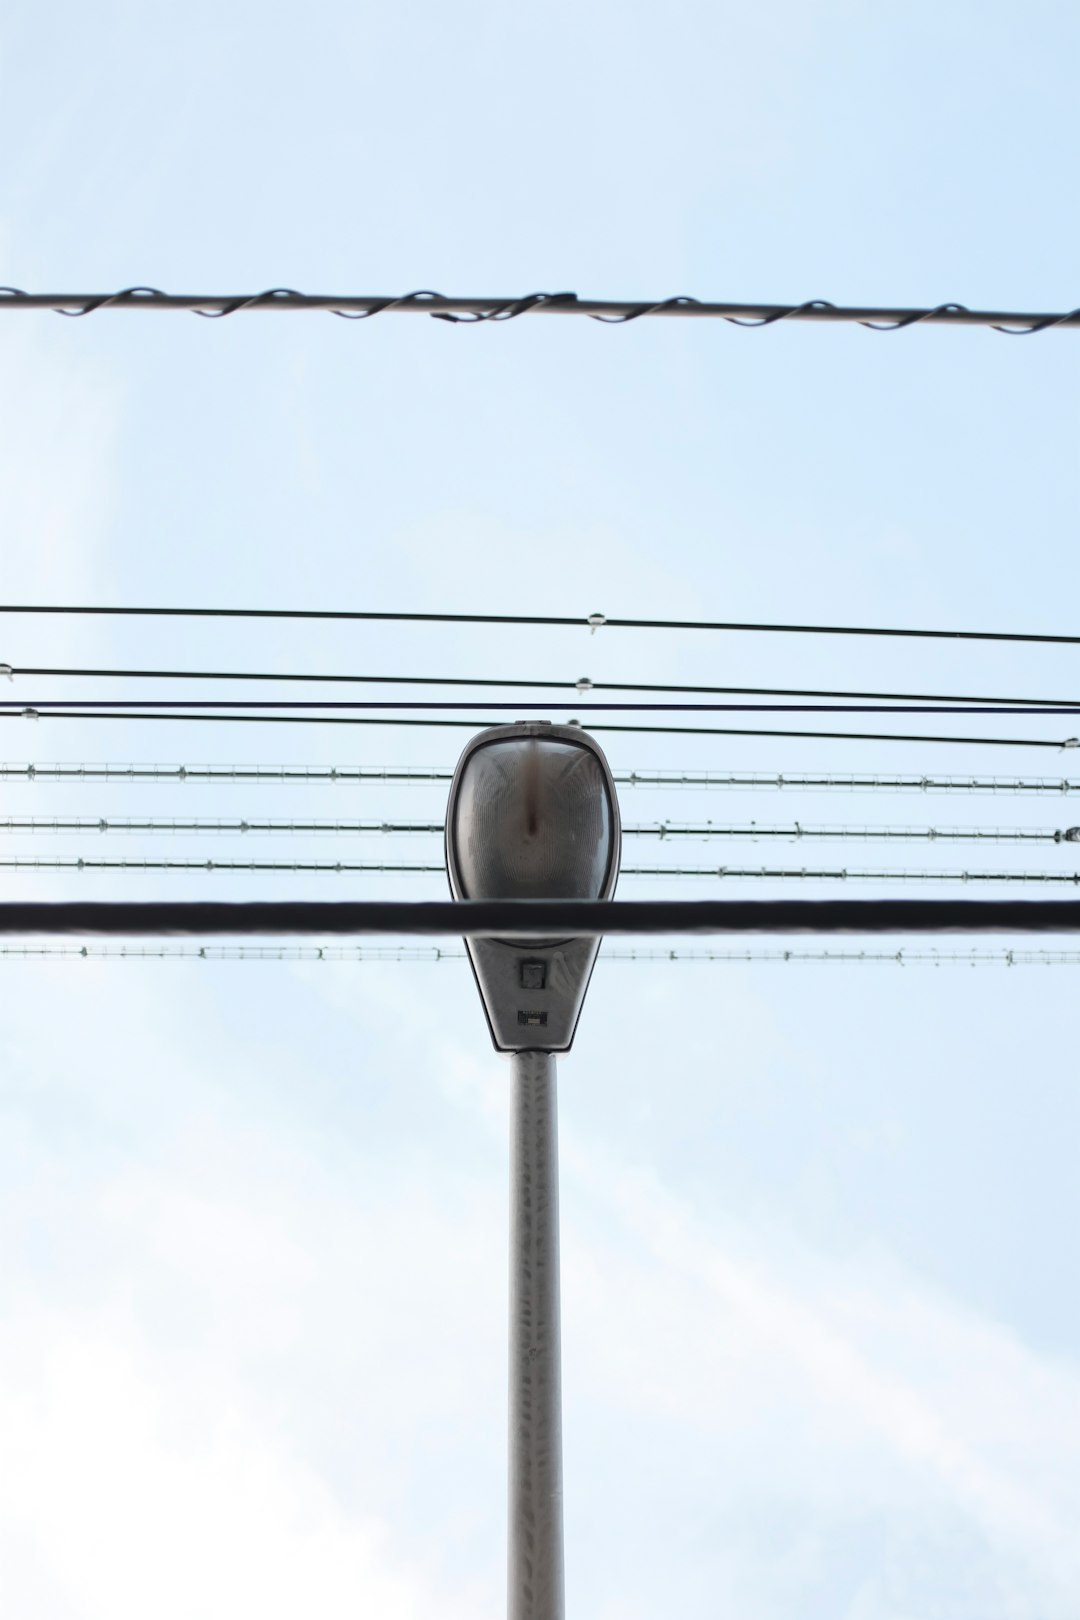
{"points": [[533, 815]]}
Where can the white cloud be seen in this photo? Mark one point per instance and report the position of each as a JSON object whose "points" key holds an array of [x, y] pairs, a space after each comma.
{"points": [[238, 1326], [130, 1489], [849, 1388]]}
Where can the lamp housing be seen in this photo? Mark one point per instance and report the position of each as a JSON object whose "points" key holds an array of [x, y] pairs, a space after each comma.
{"points": [[532, 815]]}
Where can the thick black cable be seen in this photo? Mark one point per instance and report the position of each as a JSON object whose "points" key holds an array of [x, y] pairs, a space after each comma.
{"points": [[593, 621], [475, 725], [473, 310], [580, 686], [537, 919]]}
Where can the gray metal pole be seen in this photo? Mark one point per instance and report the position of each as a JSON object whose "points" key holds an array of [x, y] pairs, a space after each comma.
{"points": [[535, 1561]]}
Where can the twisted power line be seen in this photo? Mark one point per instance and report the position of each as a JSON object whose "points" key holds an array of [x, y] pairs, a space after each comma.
{"points": [[475, 311]]}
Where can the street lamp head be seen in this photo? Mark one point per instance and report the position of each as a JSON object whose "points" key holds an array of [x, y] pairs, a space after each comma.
{"points": [[532, 815]]}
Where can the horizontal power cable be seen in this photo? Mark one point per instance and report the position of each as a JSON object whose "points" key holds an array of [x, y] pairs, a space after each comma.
{"points": [[590, 621], [283, 827], [156, 825], [798, 833], [370, 775], [421, 775], [480, 724], [845, 874], [32, 707], [852, 782], [535, 919], [436, 954], [474, 310], [582, 684], [33, 863], [842, 736]]}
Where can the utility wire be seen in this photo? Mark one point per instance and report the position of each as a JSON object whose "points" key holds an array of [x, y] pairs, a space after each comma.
{"points": [[591, 621], [535, 919], [798, 833], [474, 725], [582, 684], [34, 706], [661, 830], [753, 874], [844, 874], [473, 310], [443, 953], [56, 772], [422, 775]]}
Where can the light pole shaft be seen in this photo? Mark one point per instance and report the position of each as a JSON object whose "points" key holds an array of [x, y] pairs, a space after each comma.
{"points": [[535, 1562]]}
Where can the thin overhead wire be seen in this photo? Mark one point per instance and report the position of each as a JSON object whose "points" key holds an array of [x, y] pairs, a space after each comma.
{"points": [[846, 874], [841, 736], [590, 621], [28, 863], [36, 714], [27, 707], [980, 785], [423, 775], [795, 832], [472, 310], [307, 774], [436, 954], [32, 863], [580, 685]]}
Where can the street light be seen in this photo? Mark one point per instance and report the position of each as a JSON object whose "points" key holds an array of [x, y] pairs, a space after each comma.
{"points": [[533, 815]]}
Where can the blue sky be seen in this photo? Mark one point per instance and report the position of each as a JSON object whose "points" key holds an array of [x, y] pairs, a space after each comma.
{"points": [[821, 1343]]}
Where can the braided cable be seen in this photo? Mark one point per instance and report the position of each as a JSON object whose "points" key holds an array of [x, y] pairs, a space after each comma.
{"points": [[471, 311]]}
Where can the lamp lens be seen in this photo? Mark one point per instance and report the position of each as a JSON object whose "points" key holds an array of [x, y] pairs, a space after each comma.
{"points": [[533, 822]]}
